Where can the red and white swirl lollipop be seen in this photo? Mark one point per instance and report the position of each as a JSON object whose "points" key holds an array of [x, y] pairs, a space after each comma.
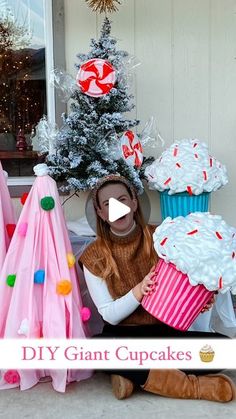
{"points": [[131, 149], [96, 77]]}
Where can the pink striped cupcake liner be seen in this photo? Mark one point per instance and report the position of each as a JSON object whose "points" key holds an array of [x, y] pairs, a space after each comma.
{"points": [[174, 300]]}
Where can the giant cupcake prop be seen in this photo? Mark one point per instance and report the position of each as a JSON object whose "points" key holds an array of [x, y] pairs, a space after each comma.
{"points": [[7, 217], [39, 294], [185, 174], [197, 257]]}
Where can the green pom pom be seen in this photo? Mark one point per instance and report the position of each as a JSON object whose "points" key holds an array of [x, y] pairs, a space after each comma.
{"points": [[11, 280], [47, 203]]}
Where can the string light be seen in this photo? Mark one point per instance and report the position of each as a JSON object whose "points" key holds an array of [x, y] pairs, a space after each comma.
{"points": [[18, 108]]}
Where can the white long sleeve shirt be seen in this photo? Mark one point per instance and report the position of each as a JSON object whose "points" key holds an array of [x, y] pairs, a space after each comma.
{"points": [[112, 311]]}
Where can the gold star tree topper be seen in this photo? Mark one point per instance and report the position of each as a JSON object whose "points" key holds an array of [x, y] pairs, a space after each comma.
{"points": [[103, 5]]}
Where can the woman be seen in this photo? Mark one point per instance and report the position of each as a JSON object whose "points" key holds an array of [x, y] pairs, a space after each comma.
{"points": [[118, 269]]}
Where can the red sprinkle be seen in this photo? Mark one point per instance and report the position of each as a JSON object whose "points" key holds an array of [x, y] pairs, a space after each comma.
{"points": [[196, 155], [163, 241], [220, 282], [211, 162], [192, 232], [205, 174], [218, 235], [167, 181], [189, 190], [178, 165], [233, 255], [175, 152], [195, 145]]}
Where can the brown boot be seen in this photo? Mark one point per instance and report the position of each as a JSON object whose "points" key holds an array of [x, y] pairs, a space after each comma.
{"points": [[122, 387], [176, 384]]}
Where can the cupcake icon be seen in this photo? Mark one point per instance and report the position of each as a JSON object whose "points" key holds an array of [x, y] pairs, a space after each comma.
{"points": [[206, 353]]}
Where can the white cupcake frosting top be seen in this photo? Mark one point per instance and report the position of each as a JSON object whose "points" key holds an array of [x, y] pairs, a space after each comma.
{"points": [[202, 246], [207, 348], [186, 166]]}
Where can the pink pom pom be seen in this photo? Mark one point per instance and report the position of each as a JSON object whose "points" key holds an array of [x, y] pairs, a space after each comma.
{"points": [[85, 314], [12, 377], [22, 229]]}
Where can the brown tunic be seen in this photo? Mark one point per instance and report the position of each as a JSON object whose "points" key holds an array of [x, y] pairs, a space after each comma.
{"points": [[132, 263]]}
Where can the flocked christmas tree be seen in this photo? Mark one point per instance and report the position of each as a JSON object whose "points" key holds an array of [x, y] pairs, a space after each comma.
{"points": [[88, 144]]}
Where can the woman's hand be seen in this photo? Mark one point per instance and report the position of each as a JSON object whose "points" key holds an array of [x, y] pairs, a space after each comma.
{"points": [[145, 286], [208, 305]]}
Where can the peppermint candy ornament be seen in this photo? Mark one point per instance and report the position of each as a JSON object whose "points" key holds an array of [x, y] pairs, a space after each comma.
{"points": [[132, 150], [96, 77]]}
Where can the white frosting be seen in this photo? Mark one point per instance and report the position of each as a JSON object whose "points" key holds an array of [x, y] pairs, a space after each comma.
{"points": [[185, 164], [5, 174], [41, 169], [207, 348], [202, 246]]}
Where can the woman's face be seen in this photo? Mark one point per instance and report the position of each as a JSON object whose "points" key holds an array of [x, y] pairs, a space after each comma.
{"points": [[117, 191]]}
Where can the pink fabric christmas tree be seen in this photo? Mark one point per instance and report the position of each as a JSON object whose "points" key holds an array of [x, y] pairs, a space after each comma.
{"points": [[39, 294], [7, 217]]}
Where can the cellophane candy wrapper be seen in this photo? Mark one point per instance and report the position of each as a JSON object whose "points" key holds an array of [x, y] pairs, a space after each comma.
{"points": [[150, 137], [115, 151], [63, 82], [46, 134], [123, 63], [126, 70]]}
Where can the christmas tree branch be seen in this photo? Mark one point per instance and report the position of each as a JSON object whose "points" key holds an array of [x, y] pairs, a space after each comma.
{"points": [[67, 199]]}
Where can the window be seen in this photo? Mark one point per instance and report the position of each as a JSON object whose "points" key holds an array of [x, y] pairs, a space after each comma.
{"points": [[27, 55]]}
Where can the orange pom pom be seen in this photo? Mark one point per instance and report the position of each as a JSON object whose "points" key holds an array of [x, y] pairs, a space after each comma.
{"points": [[64, 287]]}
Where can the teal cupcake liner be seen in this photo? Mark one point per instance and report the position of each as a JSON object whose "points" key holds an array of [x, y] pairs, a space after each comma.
{"points": [[182, 204]]}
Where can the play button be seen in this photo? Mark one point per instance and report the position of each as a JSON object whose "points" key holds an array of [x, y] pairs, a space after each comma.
{"points": [[116, 210]]}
